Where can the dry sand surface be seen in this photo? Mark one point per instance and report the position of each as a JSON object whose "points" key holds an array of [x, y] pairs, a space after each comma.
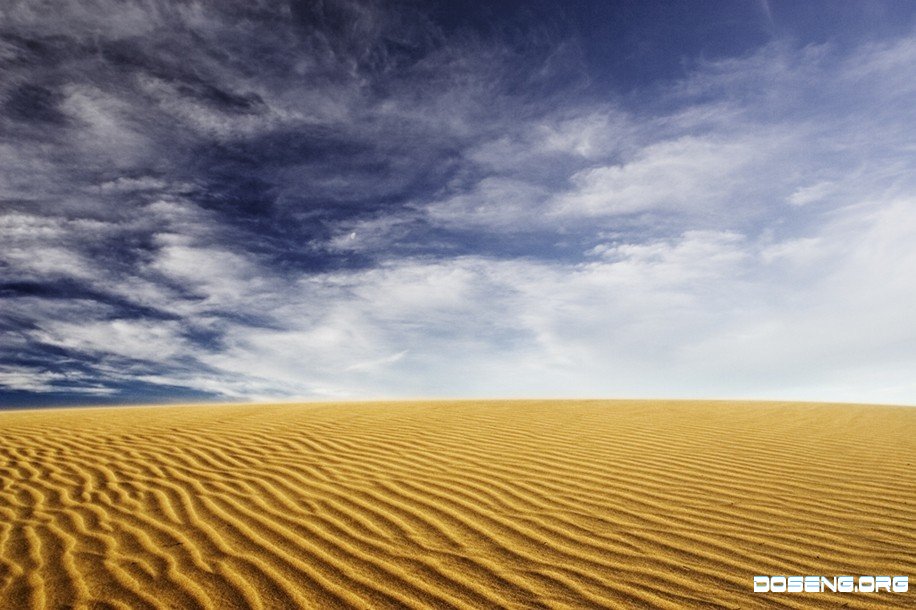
{"points": [[524, 504]]}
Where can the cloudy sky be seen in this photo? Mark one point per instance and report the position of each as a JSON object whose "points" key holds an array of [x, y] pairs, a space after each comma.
{"points": [[247, 200]]}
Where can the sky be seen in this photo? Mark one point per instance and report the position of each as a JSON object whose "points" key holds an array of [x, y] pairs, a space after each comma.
{"points": [[346, 199]]}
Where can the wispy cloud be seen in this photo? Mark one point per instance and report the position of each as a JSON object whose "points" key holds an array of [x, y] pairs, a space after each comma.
{"points": [[349, 199]]}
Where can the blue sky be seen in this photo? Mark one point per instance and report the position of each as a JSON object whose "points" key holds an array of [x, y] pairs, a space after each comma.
{"points": [[344, 199]]}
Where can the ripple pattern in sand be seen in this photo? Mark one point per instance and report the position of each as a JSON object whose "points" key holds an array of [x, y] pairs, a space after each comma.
{"points": [[534, 504]]}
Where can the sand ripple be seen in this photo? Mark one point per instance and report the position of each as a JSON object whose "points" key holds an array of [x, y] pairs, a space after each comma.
{"points": [[541, 504]]}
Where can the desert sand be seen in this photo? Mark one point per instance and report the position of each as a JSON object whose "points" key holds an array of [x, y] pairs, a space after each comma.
{"points": [[485, 504]]}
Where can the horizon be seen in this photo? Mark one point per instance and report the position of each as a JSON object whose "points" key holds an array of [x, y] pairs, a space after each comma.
{"points": [[433, 400], [353, 199]]}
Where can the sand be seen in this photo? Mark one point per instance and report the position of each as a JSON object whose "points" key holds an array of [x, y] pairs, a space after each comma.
{"points": [[534, 504]]}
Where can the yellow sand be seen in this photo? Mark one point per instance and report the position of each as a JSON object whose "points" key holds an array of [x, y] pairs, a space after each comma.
{"points": [[536, 504]]}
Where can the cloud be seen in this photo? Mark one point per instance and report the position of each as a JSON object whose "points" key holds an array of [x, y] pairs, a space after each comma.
{"points": [[132, 339], [494, 203], [811, 194], [346, 199], [677, 175]]}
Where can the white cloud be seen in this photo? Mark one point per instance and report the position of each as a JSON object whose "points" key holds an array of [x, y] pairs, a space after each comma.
{"points": [[811, 193], [154, 341], [825, 314], [741, 136], [128, 185], [107, 134], [495, 203], [27, 379], [222, 277], [683, 174], [669, 318]]}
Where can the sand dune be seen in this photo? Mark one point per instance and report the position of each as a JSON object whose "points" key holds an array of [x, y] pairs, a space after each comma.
{"points": [[547, 504]]}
